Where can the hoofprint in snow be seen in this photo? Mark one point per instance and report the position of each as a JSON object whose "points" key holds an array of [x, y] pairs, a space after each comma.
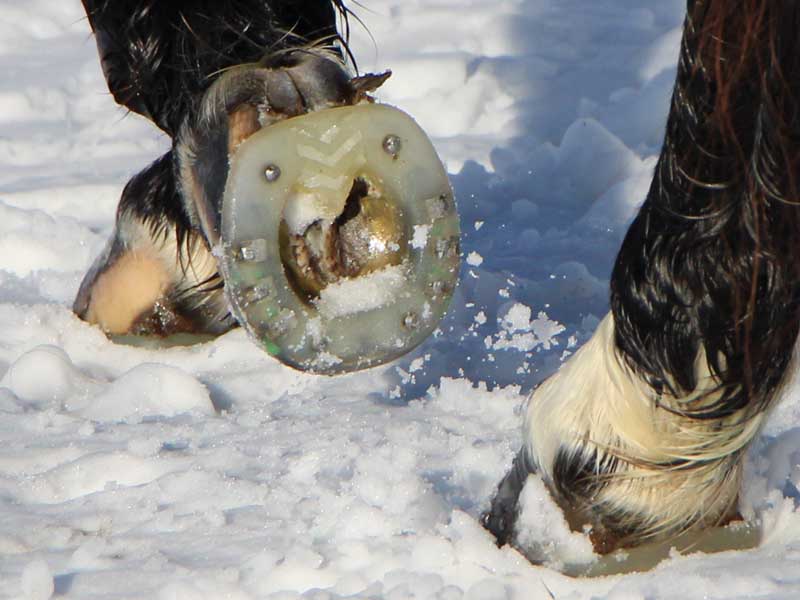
{"points": [[211, 471]]}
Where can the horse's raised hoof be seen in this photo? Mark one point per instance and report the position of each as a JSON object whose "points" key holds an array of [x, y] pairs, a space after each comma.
{"points": [[340, 238], [335, 229]]}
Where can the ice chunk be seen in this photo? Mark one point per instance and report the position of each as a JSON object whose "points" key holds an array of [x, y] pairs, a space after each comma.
{"points": [[520, 332], [474, 259], [367, 292], [420, 238], [543, 532]]}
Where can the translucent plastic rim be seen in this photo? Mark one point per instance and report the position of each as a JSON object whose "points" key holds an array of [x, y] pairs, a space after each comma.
{"points": [[375, 140]]}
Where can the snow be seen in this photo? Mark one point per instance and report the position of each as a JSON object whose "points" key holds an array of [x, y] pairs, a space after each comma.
{"points": [[373, 290], [303, 209], [544, 531], [37, 582], [519, 332], [211, 471], [474, 259], [419, 238]]}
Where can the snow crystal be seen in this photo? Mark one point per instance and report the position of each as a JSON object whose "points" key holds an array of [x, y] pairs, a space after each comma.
{"points": [[520, 332], [420, 238], [474, 259], [518, 318], [416, 364]]}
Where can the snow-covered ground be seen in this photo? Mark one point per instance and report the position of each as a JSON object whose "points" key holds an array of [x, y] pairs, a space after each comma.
{"points": [[211, 471]]}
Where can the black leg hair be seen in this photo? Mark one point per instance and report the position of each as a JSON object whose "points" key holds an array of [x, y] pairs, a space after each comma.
{"points": [[502, 515], [160, 56], [707, 263]]}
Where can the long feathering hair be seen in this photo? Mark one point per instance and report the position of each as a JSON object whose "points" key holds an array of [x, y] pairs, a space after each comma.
{"points": [[705, 292], [709, 263], [159, 56]]}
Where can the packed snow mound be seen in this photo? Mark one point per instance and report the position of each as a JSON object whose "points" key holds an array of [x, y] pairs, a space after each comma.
{"points": [[149, 390], [46, 377]]}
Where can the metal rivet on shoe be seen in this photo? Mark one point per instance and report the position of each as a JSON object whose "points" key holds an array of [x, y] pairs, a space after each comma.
{"points": [[411, 321], [257, 292], [392, 144], [440, 288], [253, 250], [272, 173], [448, 247]]}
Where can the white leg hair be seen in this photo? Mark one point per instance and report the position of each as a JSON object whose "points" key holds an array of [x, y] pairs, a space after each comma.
{"points": [[144, 270], [640, 468]]}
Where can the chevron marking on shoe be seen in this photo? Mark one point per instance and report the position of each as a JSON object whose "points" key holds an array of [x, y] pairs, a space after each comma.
{"points": [[321, 153], [321, 180]]}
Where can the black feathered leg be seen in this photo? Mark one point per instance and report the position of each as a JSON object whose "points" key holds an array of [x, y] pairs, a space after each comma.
{"points": [[640, 436], [157, 274], [501, 518], [159, 57]]}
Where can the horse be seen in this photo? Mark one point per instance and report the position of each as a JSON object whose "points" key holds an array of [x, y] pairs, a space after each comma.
{"points": [[210, 74], [640, 436], [216, 233]]}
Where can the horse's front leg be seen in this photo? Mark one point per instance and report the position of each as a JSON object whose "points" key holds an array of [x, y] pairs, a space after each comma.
{"points": [[289, 200]]}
